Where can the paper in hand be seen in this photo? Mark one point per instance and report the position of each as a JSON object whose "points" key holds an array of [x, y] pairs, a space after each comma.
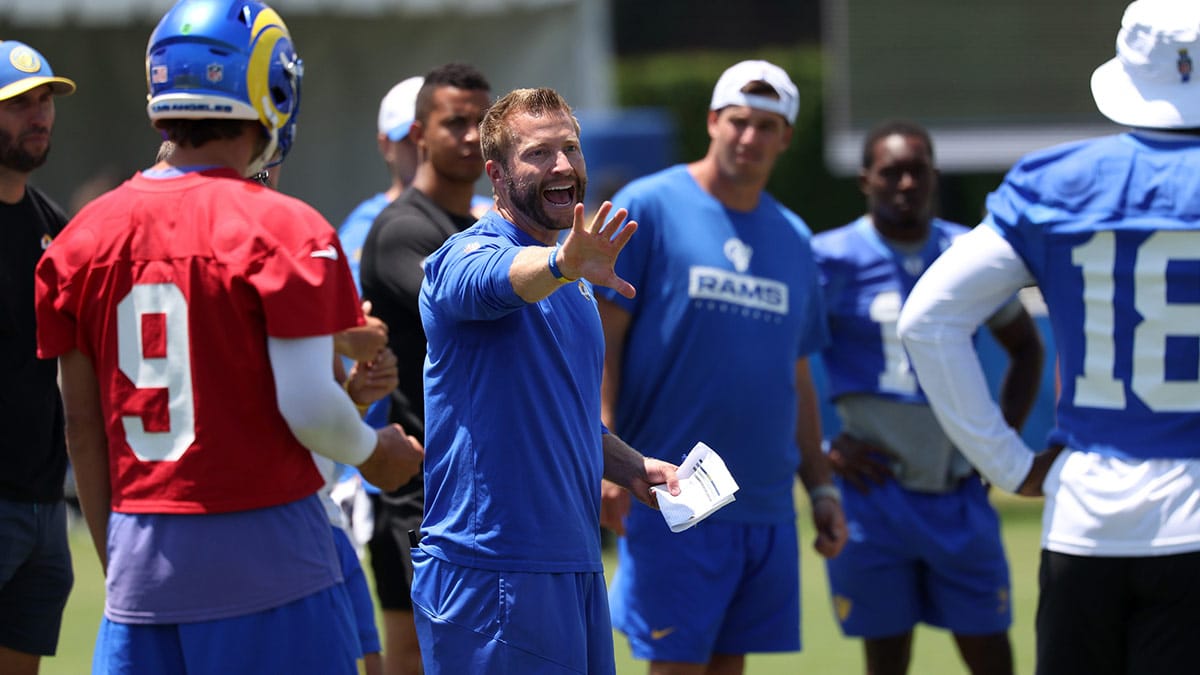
{"points": [[705, 485]]}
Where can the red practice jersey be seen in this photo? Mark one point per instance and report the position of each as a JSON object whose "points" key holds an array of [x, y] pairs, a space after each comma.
{"points": [[171, 287]]}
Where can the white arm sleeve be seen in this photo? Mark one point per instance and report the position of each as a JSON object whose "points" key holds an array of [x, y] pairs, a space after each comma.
{"points": [[315, 407], [955, 295]]}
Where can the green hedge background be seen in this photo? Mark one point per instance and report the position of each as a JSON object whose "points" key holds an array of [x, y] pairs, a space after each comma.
{"points": [[682, 83]]}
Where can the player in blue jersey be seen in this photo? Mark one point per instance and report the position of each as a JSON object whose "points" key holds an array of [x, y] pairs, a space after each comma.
{"points": [[715, 349], [924, 540], [508, 576], [1110, 230]]}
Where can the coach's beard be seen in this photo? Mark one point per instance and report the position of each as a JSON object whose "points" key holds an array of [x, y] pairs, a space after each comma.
{"points": [[527, 198]]}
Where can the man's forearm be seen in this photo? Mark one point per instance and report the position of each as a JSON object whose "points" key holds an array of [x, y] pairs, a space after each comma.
{"points": [[622, 464], [815, 469], [89, 462], [1022, 380], [87, 446]]}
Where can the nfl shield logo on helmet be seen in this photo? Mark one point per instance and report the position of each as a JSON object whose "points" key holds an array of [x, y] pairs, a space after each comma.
{"points": [[158, 74], [215, 72]]}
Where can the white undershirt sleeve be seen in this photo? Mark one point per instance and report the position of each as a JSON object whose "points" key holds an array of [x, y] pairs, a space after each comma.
{"points": [[958, 292], [315, 407]]}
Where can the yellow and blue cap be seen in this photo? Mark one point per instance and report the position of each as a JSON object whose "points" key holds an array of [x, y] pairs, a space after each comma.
{"points": [[23, 68]]}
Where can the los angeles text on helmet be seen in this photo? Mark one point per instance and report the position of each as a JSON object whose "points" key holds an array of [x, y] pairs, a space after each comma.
{"points": [[205, 107]]}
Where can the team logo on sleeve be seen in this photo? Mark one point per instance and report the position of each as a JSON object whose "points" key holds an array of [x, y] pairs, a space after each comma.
{"points": [[1184, 64]]}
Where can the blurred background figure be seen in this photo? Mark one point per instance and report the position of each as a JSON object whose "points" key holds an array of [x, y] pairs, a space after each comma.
{"points": [[448, 109], [725, 275], [925, 541]]}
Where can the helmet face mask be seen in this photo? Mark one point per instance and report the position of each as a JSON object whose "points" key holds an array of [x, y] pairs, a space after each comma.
{"points": [[226, 59]]}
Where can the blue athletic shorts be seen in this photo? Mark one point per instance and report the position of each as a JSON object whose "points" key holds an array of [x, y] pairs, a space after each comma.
{"points": [[359, 592], [920, 558], [718, 588], [35, 575], [481, 621], [314, 634]]}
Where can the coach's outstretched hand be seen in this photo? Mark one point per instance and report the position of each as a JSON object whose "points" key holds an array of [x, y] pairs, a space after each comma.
{"points": [[590, 251], [396, 459]]}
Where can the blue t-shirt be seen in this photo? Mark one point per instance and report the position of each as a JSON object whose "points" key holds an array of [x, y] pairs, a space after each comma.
{"points": [[726, 303], [353, 231], [866, 281], [513, 460], [1110, 228]]}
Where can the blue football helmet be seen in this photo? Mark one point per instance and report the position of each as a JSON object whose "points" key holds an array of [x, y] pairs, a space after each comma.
{"points": [[226, 59]]}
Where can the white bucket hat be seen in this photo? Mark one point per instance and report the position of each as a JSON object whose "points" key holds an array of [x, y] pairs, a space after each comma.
{"points": [[1151, 82]]}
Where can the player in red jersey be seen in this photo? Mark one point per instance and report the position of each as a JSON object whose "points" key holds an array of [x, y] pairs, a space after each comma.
{"points": [[193, 311]]}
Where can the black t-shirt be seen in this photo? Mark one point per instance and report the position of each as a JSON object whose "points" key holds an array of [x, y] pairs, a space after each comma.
{"points": [[402, 236], [32, 445]]}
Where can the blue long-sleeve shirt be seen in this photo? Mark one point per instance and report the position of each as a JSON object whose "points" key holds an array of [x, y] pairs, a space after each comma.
{"points": [[512, 402]]}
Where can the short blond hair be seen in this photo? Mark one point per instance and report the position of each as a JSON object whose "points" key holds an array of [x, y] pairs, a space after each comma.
{"points": [[495, 136]]}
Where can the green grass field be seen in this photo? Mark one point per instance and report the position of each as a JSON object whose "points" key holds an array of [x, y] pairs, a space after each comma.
{"points": [[825, 650]]}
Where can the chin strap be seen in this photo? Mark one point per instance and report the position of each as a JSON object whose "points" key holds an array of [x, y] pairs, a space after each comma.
{"points": [[267, 158]]}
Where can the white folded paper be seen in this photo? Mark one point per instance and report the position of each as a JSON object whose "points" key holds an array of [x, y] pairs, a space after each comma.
{"points": [[705, 485]]}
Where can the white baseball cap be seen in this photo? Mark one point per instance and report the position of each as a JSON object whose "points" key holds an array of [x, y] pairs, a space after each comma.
{"points": [[398, 108], [729, 89], [1150, 83]]}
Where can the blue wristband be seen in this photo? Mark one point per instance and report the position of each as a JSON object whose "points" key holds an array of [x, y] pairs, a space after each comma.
{"points": [[557, 273]]}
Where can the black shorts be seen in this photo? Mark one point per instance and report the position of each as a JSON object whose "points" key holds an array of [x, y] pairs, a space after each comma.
{"points": [[35, 575], [1118, 616], [391, 557]]}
